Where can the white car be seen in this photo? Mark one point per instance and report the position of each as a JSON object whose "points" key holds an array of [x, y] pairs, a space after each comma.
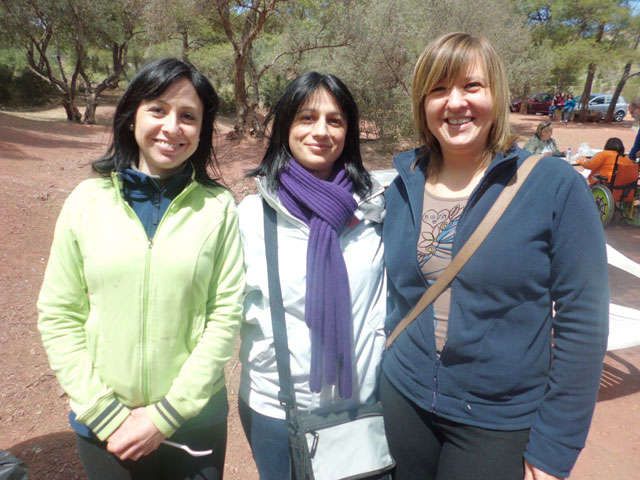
{"points": [[599, 102]]}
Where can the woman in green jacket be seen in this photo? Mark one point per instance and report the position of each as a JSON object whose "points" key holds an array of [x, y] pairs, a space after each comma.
{"points": [[542, 142], [141, 302]]}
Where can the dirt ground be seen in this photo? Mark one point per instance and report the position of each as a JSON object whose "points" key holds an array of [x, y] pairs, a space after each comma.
{"points": [[42, 157]]}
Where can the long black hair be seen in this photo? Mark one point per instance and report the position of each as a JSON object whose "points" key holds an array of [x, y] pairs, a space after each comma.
{"points": [[284, 113], [148, 84]]}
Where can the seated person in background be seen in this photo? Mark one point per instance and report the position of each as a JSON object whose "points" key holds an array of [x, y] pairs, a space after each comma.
{"points": [[558, 102], [603, 162], [541, 142], [569, 105]]}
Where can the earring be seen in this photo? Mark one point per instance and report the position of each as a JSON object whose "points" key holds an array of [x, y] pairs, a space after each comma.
{"points": [[131, 127]]}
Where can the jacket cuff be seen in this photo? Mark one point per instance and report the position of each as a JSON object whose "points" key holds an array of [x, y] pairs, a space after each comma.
{"points": [[172, 411], [165, 417], [558, 460], [105, 418]]}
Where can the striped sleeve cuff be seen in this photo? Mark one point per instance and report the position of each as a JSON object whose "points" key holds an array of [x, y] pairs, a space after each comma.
{"points": [[173, 411], [108, 420], [165, 417]]}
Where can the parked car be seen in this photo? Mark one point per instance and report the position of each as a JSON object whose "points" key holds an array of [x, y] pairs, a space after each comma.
{"points": [[536, 103], [599, 102]]}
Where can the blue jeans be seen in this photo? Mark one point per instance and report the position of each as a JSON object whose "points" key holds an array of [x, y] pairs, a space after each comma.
{"points": [[567, 111], [269, 441]]}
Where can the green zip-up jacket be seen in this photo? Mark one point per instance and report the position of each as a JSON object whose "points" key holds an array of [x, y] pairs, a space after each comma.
{"points": [[129, 321]]}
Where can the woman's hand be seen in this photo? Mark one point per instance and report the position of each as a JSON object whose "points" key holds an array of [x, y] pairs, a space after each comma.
{"points": [[135, 438], [533, 473]]}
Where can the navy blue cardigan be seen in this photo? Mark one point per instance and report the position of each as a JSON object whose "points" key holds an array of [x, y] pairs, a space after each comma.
{"points": [[508, 363]]}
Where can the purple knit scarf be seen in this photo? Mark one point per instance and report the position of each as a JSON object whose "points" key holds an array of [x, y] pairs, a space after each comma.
{"points": [[326, 206]]}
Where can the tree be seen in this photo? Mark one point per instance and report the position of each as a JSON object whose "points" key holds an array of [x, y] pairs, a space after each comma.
{"points": [[385, 40], [38, 23], [592, 28], [626, 71], [114, 27], [184, 20], [242, 22], [71, 28], [245, 23]]}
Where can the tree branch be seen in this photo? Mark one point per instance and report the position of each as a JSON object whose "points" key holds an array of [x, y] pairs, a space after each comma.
{"points": [[298, 52]]}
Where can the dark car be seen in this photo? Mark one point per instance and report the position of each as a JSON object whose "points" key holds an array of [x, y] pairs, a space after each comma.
{"points": [[536, 103]]}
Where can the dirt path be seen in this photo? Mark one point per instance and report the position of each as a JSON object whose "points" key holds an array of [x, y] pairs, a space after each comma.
{"points": [[42, 158]]}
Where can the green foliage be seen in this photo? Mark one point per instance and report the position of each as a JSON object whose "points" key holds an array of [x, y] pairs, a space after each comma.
{"points": [[6, 79], [384, 40], [23, 89], [372, 45], [31, 90], [272, 88], [216, 62], [569, 31], [19, 86]]}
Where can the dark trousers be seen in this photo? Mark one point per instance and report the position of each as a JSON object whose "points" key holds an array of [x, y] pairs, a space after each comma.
{"points": [[165, 463], [429, 447]]}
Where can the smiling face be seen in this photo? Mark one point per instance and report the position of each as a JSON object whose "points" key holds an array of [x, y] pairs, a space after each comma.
{"points": [[460, 114], [317, 134], [167, 129]]}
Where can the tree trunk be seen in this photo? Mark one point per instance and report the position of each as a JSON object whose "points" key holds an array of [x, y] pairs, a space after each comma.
{"points": [[240, 93], [625, 76], [253, 121], [525, 96], [584, 103], [73, 114], [591, 73], [89, 116], [608, 118], [185, 46]]}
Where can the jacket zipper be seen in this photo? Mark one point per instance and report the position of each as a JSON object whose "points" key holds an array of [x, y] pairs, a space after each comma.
{"points": [[145, 316], [145, 380], [435, 384]]}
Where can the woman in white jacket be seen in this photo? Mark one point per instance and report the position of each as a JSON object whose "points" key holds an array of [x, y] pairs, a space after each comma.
{"points": [[329, 213]]}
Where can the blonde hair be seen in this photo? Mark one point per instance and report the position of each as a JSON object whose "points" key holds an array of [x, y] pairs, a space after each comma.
{"points": [[446, 60], [542, 126]]}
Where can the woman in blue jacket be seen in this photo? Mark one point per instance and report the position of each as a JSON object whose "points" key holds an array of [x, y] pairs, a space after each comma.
{"points": [[498, 378], [567, 109]]}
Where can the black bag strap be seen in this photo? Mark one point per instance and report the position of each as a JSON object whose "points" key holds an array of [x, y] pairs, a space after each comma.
{"points": [[614, 172], [286, 393]]}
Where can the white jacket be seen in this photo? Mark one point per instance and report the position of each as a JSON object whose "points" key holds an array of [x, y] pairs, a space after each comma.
{"points": [[361, 244]]}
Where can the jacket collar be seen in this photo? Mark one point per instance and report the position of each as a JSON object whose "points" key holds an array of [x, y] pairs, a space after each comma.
{"points": [[411, 166], [142, 181], [413, 162]]}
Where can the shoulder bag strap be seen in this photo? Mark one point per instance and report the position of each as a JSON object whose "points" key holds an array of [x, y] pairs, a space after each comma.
{"points": [[285, 395], [614, 171], [470, 246]]}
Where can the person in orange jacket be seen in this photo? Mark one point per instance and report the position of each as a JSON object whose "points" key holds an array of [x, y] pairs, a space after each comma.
{"points": [[603, 162]]}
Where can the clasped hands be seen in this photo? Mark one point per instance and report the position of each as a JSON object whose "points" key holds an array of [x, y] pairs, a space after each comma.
{"points": [[136, 437]]}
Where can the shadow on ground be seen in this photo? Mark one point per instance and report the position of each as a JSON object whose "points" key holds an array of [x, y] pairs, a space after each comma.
{"points": [[43, 455], [619, 378]]}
